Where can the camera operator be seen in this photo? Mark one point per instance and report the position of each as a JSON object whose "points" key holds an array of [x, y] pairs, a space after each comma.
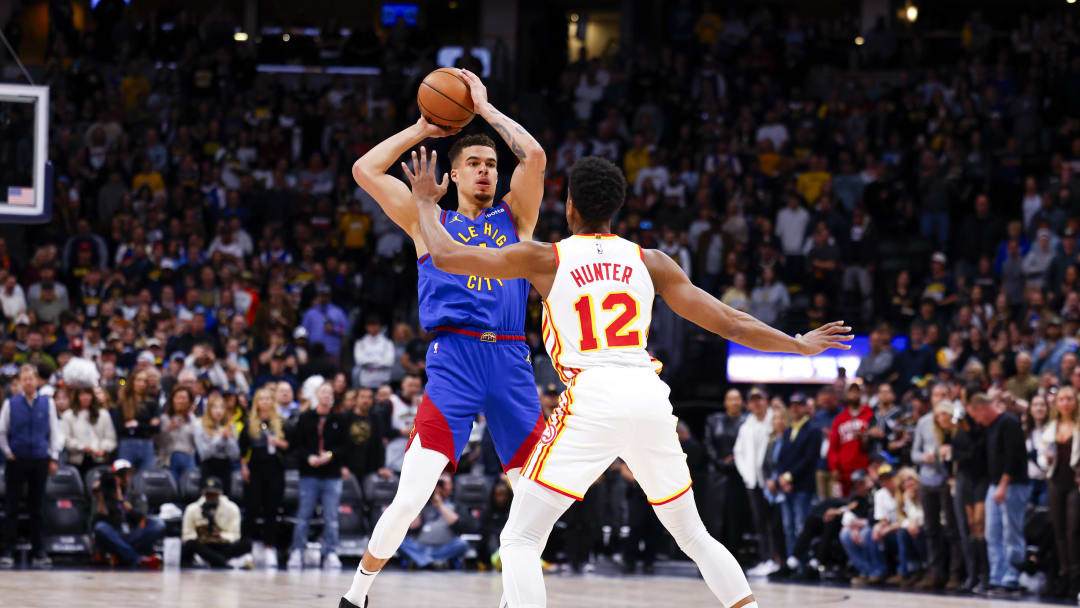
{"points": [[211, 530], [120, 527]]}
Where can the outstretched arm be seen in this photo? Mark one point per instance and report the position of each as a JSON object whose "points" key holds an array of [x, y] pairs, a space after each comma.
{"points": [[527, 182], [527, 259], [391, 194], [696, 305]]}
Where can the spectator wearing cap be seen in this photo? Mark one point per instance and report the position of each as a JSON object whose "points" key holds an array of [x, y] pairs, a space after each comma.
{"points": [[749, 452], [849, 438], [89, 435], [121, 526], [800, 446], [325, 321], [216, 441], [30, 439], [176, 441], [860, 542], [275, 372], [211, 530], [263, 445], [940, 285], [321, 441], [1049, 351], [931, 452], [137, 421], [373, 355], [12, 298]]}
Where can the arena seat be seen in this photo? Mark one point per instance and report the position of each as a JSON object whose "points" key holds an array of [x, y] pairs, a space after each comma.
{"points": [[157, 485], [352, 521], [66, 512], [236, 487], [472, 492], [92, 476], [191, 485], [379, 493]]}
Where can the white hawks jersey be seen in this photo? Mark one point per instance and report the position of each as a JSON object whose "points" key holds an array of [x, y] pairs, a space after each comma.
{"points": [[600, 306]]}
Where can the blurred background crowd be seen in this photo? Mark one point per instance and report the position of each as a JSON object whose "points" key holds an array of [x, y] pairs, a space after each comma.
{"points": [[251, 313]]}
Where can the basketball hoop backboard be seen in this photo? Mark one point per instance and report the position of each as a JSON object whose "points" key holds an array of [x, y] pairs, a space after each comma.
{"points": [[25, 180]]}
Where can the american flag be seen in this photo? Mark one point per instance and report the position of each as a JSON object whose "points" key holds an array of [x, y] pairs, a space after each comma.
{"points": [[20, 196]]}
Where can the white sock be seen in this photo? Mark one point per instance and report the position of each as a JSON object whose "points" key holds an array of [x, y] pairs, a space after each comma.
{"points": [[361, 584]]}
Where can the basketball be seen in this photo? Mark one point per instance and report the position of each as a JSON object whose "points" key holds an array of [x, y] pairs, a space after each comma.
{"points": [[444, 99]]}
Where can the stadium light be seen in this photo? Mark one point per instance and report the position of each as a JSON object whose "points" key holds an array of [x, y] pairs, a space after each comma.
{"points": [[285, 37], [574, 17], [859, 41], [240, 36], [911, 13], [1070, 1]]}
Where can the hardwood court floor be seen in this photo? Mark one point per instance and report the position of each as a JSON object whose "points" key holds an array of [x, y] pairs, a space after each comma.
{"points": [[314, 589]]}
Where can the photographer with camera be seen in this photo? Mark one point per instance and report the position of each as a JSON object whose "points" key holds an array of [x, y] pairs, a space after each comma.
{"points": [[120, 526], [30, 441], [211, 530]]}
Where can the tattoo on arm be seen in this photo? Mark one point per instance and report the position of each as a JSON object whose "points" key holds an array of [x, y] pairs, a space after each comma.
{"points": [[502, 123]]}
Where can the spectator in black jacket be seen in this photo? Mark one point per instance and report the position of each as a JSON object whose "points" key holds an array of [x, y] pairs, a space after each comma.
{"points": [[493, 520], [1007, 493], [365, 453], [696, 460], [969, 496], [137, 421], [320, 441], [434, 537], [263, 445], [795, 469]]}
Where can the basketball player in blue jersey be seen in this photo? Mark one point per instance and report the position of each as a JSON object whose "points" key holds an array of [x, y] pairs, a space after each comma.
{"points": [[478, 361]]}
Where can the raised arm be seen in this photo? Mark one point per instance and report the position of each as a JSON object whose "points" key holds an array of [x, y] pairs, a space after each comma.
{"points": [[527, 182], [525, 260], [390, 192], [696, 305]]}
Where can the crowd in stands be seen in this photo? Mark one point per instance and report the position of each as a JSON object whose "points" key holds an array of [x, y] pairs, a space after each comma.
{"points": [[251, 312]]}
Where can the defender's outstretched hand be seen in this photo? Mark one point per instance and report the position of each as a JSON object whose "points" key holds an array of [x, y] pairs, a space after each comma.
{"points": [[424, 186], [830, 335]]}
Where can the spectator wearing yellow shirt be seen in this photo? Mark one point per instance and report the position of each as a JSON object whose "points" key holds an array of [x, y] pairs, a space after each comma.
{"points": [[133, 87], [767, 158], [636, 159], [354, 225], [810, 183], [149, 177]]}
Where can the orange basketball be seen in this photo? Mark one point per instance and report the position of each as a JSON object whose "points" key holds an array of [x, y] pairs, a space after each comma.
{"points": [[444, 99]]}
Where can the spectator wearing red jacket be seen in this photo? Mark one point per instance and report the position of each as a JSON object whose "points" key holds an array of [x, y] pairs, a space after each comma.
{"points": [[848, 439]]}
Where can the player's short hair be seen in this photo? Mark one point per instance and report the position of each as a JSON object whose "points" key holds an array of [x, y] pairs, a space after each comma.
{"points": [[597, 188], [478, 139]]}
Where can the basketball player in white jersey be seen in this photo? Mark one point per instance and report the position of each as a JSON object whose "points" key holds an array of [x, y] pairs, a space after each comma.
{"points": [[598, 291]]}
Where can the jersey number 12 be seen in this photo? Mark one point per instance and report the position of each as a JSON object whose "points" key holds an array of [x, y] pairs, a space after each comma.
{"points": [[615, 334]]}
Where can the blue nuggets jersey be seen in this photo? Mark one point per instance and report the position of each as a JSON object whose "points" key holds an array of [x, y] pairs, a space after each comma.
{"points": [[473, 302]]}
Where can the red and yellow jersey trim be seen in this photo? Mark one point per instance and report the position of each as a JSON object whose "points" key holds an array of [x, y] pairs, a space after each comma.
{"points": [[549, 330], [664, 501], [555, 246], [556, 425], [596, 235]]}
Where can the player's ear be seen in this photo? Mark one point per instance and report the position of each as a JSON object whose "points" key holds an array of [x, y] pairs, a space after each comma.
{"points": [[453, 175]]}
